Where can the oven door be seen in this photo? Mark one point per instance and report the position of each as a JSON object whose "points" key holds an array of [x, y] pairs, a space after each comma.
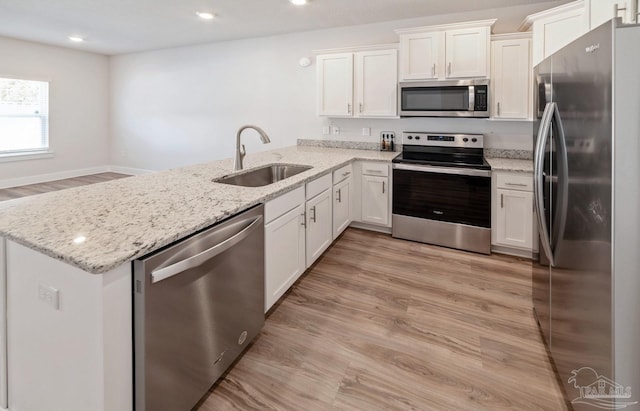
{"points": [[443, 205]]}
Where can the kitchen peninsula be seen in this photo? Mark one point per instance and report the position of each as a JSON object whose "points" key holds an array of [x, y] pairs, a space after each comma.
{"points": [[66, 258]]}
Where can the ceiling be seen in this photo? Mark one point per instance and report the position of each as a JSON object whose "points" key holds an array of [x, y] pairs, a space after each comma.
{"points": [[123, 26]]}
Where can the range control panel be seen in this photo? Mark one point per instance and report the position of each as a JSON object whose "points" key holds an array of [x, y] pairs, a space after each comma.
{"points": [[421, 138]]}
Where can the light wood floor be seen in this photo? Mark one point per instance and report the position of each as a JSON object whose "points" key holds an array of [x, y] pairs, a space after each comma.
{"points": [[385, 324], [28, 190]]}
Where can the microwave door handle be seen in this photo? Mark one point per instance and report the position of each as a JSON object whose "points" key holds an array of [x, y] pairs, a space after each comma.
{"points": [[472, 98], [538, 178]]}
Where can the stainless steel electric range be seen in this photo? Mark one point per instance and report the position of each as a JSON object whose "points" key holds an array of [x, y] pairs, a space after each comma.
{"points": [[442, 191]]}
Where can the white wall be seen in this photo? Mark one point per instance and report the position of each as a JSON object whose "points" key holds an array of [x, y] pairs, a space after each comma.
{"points": [[180, 106], [78, 106]]}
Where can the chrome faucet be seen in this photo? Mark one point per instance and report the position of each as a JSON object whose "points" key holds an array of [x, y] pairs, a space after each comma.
{"points": [[240, 151]]}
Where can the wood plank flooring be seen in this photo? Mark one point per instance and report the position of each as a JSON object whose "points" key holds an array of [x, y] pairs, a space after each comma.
{"points": [[384, 324], [32, 189]]}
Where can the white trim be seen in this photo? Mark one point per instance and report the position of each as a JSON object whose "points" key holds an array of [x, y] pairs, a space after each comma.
{"points": [[390, 46], [443, 27], [129, 170], [370, 227], [43, 178], [516, 252], [528, 21], [25, 155], [512, 36]]}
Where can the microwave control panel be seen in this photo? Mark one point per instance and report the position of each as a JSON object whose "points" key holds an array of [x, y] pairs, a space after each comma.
{"points": [[480, 98]]}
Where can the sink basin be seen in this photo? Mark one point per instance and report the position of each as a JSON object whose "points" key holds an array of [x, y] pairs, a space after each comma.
{"points": [[262, 176]]}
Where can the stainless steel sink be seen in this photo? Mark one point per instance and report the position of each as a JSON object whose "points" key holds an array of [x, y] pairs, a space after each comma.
{"points": [[262, 176]]}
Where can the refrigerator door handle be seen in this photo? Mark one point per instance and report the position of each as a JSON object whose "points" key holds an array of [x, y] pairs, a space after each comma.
{"points": [[562, 181], [538, 164]]}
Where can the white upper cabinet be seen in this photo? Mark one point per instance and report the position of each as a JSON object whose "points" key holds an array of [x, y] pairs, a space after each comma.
{"points": [[358, 83], [601, 11], [466, 52], [335, 84], [448, 51], [420, 56], [555, 28], [376, 83], [511, 76]]}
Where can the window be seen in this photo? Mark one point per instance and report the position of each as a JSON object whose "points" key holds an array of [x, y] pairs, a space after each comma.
{"points": [[24, 116]]}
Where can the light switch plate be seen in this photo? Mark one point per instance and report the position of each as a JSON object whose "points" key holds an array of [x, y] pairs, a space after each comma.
{"points": [[326, 130], [366, 131]]}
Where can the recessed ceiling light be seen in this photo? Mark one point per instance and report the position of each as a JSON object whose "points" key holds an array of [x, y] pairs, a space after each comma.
{"points": [[76, 39], [205, 15], [298, 2]]}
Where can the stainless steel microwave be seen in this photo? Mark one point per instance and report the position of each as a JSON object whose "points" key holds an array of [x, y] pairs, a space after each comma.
{"points": [[462, 98]]}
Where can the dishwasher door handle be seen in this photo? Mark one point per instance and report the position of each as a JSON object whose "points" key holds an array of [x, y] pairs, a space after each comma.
{"points": [[202, 257]]}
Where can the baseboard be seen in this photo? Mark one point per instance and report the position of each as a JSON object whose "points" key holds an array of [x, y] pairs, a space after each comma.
{"points": [[370, 227], [43, 178], [60, 175], [512, 251], [129, 170]]}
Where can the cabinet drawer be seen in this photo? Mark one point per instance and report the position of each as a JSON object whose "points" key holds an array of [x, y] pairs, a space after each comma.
{"points": [[522, 182], [318, 185], [342, 173], [280, 205], [375, 169]]}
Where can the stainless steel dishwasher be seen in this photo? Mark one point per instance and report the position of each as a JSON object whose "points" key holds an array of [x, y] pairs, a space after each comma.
{"points": [[197, 305]]}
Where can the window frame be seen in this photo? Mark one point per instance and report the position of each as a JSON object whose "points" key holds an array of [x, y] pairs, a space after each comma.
{"points": [[45, 151]]}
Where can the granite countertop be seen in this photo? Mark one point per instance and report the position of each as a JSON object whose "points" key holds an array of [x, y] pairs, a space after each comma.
{"points": [[102, 226], [511, 164]]}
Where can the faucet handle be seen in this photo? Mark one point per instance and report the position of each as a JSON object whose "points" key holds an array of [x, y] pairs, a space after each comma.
{"points": [[243, 152]]}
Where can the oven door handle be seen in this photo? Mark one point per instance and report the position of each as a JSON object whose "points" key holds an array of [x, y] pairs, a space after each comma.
{"points": [[443, 170]]}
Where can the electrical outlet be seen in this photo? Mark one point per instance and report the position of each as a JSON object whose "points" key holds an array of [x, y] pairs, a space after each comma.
{"points": [[366, 131], [49, 295], [326, 130], [336, 130]]}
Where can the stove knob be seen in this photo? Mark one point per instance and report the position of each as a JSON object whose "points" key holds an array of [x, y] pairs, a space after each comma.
{"points": [[410, 137], [465, 139], [475, 140], [417, 137]]}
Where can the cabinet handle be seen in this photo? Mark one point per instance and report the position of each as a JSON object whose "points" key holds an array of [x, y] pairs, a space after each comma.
{"points": [[373, 172], [346, 174], [433, 70], [515, 184], [449, 69], [304, 219], [361, 107], [498, 108], [313, 218], [348, 108], [501, 200], [383, 187], [617, 10], [339, 193]]}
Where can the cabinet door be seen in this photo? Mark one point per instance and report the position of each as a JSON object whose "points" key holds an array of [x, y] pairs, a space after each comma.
{"points": [[284, 253], [342, 215], [601, 11], [376, 83], [319, 225], [466, 52], [515, 218], [335, 85], [375, 200], [420, 56], [510, 79], [553, 33]]}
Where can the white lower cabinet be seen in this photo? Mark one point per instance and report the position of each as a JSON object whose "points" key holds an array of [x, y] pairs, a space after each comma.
{"points": [[376, 198], [341, 206], [515, 218], [284, 253], [319, 225], [513, 225]]}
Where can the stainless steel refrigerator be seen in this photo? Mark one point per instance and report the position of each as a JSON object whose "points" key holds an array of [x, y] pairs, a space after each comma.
{"points": [[586, 279]]}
